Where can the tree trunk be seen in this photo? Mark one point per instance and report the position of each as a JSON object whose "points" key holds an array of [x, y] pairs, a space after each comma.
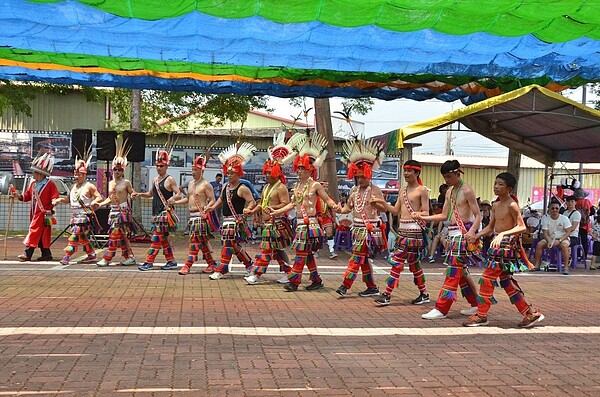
{"points": [[323, 124], [136, 125], [514, 165]]}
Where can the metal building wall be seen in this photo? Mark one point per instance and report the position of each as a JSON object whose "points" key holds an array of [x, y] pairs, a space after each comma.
{"points": [[52, 112], [482, 180]]}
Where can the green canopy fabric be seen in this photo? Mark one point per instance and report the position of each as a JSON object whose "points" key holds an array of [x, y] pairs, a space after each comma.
{"points": [[447, 49]]}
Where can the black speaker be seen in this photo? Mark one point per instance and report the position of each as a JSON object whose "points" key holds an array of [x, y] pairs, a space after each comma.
{"points": [[106, 149], [135, 143], [81, 141], [102, 215]]}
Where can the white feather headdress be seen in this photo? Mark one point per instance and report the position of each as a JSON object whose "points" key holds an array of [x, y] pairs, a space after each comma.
{"points": [[43, 163], [236, 156], [309, 145], [360, 152], [281, 152]]}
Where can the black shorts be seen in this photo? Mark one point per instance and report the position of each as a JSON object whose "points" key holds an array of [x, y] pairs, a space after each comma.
{"points": [[596, 248], [573, 241]]}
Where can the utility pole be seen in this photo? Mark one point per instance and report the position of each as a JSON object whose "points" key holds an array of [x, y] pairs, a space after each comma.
{"points": [[136, 125], [449, 151]]}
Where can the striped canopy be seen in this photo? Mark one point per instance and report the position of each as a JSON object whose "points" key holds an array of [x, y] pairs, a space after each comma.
{"points": [[417, 49]]}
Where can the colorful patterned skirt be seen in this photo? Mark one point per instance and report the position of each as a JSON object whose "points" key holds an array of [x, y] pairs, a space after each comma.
{"points": [[507, 257], [202, 225], [120, 217], [461, 250], [235, 229], [309, 236], [165, 222], [276, 234], [373, 238]]}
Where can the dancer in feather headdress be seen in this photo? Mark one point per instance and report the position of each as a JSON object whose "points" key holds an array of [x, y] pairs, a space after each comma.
{"points": [[40, 193], [119, 218], [84, 199], [410, 246], [164, 219], [368, 230], [235, 197], [308, 238], [202, 224], [277, 232]]}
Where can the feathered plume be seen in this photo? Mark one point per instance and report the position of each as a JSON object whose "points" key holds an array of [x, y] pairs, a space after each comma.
{"points": [[121, 152], [236, 156], [81, 165], [362, 156], [43, 163], [346, 113], [281, 151]]}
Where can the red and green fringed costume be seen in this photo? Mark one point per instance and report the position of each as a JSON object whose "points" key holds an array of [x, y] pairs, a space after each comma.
{"points": [[365, 243], [120, 221], [232, 233], [80, 227], [79, 236], [409, 248], [276, 236], [201, 228], [502, 262], [162, 225], [460, 255], [308, 238]]}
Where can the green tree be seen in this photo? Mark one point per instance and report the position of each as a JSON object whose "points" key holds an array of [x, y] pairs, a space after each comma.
{"points": [[17, 95], [595, 90], [175, 106]]}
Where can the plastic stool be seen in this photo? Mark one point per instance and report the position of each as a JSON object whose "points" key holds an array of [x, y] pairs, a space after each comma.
{"points": [[343, 240], [556, 258], [575, 251]]}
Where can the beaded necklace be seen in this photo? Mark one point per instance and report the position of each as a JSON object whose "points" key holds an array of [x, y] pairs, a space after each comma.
{"points": [[267, 195], [300, 197], [360, 202]]}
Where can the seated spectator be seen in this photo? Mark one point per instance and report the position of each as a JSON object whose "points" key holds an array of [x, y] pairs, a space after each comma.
{"points": [[555, 233]]}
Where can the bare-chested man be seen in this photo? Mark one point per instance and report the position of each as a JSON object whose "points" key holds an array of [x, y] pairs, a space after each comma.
{"points": [[367, 232], [309, 234], [462, 210], [202, 224], [413, 200], [84, 199], [119, 217], [276, 232], [505, 256], [164, 219], [234, 198]]}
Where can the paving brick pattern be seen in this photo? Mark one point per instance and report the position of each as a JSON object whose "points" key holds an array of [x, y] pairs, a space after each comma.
{"points": [[84, 331]]}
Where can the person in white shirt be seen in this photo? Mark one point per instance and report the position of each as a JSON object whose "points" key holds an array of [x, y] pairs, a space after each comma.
{"points": [[575, 217], [555, 232]]}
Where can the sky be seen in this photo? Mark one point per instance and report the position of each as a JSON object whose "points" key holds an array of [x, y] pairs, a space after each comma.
{"points": [[386, 116]]}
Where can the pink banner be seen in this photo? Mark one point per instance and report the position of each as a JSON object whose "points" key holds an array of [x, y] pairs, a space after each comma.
{"points": [[537, 194]]}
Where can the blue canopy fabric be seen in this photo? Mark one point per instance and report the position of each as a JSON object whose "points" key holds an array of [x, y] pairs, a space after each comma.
{"points": [[220, 46]]}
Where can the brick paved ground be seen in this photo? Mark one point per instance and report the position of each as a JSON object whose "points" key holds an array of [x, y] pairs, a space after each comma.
{"points": [[84, 331]]}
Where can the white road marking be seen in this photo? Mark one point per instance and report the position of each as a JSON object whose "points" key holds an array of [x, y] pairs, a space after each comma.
{"points": [[278, 331], [155, 390]]}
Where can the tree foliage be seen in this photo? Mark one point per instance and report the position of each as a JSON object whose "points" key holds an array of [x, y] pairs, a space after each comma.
{"points": [[595, 89], [360, 106], [175, 107], [17, 96]]}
